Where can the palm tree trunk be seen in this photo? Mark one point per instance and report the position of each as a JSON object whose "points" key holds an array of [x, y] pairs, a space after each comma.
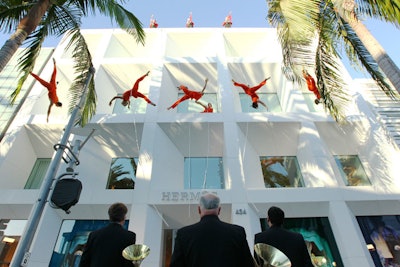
{"points": [[379, 54], [26, 26]]}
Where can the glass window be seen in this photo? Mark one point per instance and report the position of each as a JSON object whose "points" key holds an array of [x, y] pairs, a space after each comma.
{"points": [[282, 171], [352, 170], [319, 238], [122, 173], [382, 238], [190, 106], [37, 174], [269, 99], [201, 173], [137, 106], [10, 234], [71, 240], [312, 107]]}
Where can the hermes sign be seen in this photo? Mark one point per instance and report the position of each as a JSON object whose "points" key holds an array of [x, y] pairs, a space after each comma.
{"points": [[183, 196]]}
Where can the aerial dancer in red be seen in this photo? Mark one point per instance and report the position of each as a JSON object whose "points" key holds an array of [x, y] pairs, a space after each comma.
{"points": [[312, 86], [251, 91], [189, 94], [153, 22], [189, 21], [207, 109], [134, 92], [228, 21], [51, 87]]}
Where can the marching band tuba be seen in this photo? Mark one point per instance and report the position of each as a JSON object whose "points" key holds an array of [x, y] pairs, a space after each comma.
{"points": [[271, 256], [136, 253]]}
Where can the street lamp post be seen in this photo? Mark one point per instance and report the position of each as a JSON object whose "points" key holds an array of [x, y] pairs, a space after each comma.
{"points": [[22, 253]]}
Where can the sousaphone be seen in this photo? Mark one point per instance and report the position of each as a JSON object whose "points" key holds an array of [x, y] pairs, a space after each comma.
{"points": [[271, 256], [136, 253]]}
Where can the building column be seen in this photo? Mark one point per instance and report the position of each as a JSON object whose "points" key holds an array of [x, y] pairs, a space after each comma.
{"points": [[348, 236], [314, 158], [45, 239], [148, 226]]}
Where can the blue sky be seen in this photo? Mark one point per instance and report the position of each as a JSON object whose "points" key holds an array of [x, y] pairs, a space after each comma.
{"points": [[211, 13]]}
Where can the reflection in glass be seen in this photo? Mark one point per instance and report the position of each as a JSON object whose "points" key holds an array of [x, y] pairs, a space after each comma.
{"points": [[352, 171], [122, 173], [201, 173], [190, 106], [281, 171], [137, 106], [382, 237], [270, 99], [10, 234], [319, 238], [72, 238], [37, 174]]}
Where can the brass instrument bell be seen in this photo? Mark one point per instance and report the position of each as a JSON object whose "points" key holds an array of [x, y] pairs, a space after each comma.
{"points": [[271, 256], [136, 253]]}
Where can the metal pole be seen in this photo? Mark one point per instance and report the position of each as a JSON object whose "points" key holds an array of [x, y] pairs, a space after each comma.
{"points": [[22, 253]]}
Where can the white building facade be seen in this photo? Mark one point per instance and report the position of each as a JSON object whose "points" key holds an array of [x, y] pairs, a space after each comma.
{"points": [[336, 182]]}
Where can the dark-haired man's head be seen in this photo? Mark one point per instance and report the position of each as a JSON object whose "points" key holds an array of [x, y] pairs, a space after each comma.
{"points": [[275, 216], [254, 105], [117, 212]]}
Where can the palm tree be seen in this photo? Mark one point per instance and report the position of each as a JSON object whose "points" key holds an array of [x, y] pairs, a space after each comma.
{"points": [[35, 20], [313, 34]]}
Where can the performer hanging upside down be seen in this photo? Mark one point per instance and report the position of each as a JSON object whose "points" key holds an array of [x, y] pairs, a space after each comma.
{"points": [[134, 92], [312, 86], [207, 109], [51, 87], [251, 91], [189, 94]]}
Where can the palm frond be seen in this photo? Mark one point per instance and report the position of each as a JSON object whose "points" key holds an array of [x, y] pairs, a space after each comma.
{"points": [[356, 50], [82, 64], [125, 19], [386, 10], [11, 13], [27, 60]]}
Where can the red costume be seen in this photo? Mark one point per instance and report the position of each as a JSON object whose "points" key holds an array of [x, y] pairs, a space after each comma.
{"points": [[189, 94], [228, 21], [311, 85], [251, 91], [208, 110], [51, 87], [134, 92]]}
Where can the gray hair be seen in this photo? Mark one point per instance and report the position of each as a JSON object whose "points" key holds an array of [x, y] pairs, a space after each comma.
{"points": [[209, 201]]}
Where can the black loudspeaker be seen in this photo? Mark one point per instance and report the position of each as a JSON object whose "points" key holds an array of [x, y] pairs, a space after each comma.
{"points": [[66, 193]]}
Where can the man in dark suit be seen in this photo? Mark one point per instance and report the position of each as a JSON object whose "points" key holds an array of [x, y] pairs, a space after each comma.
{"points": [[104, 246], [211, 242], [290, 243]]}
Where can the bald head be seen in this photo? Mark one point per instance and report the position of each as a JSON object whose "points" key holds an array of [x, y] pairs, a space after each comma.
{"points": [[209, 205]]}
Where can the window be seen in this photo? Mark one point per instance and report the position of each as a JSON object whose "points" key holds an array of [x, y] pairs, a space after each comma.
{"points": [[122, 173], [71, 238], [202, 173], [319, 238], [270, 99], [10, 234], [37, 174], [352, 171], [137, 106], [281, 172], [190, 106], [382, 238]]}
